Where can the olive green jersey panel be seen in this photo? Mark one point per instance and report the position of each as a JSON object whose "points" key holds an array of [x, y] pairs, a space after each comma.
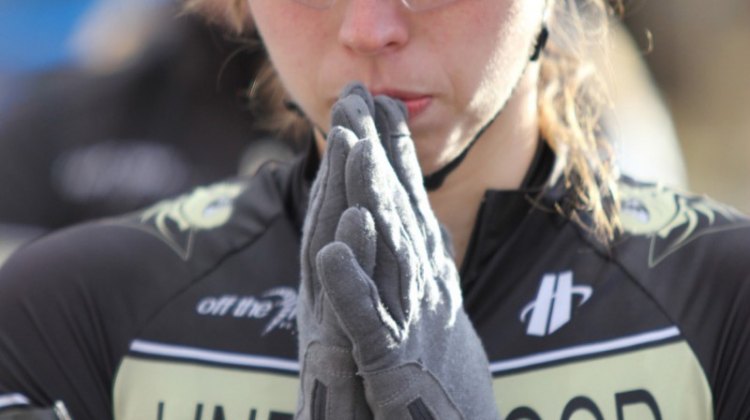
{"points": [[612, 387], [174, 390]]}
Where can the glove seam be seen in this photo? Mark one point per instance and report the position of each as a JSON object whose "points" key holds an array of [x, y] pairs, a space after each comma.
{"points": [[394, 395]]}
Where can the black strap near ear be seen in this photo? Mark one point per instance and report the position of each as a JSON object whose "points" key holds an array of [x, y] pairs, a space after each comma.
{"points": [[293, 107], [541, 42], [434, 180]]}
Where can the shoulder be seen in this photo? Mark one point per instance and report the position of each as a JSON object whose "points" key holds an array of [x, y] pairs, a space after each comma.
{"points": [[144, 257], [682, 241], [684, 248], [72, 301], [676, 227], [691, 254], [188, 233]]}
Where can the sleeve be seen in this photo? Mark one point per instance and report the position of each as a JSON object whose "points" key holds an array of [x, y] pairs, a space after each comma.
{"points": [[52, 340], [70, 305], [714, 283], [25, 412], [731, 373]]}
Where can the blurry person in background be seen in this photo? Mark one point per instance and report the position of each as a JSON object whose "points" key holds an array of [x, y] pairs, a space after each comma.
{"points": [[150, 106], [455, 242]]}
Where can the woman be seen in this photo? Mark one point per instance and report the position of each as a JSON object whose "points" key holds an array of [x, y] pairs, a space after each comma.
{"points": [[590, 294]]}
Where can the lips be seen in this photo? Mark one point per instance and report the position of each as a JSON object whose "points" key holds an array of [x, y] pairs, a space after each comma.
{"points": [[416, 103]]}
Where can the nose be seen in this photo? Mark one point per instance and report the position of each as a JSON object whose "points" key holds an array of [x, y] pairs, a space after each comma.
{"points": [[372, 27]]}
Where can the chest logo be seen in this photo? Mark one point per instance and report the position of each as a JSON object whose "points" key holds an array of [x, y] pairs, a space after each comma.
{"points": [[553, 305]]}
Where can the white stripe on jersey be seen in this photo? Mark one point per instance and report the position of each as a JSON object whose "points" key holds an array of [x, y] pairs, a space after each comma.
{"points": [[192, 353], [584, 350], [9, 400]]}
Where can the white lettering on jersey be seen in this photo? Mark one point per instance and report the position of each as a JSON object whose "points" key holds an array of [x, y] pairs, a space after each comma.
{"points": [[279, 303]]}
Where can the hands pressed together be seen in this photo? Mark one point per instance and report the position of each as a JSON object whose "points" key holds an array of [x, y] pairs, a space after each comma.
{"points": [[383, 333]]}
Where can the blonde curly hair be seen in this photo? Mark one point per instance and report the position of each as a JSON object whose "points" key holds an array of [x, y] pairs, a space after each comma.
{"points": [[572, 101]]}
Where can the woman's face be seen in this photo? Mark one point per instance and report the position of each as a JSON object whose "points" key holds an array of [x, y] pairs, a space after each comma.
{"points": [[454, 66]]}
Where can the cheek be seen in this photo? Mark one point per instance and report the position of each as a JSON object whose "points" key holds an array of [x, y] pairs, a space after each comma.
{"points": [[294, 40], [486, 56], [471, 37]]}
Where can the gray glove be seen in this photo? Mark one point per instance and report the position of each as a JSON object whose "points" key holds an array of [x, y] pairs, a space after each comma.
{"points": [[390, 280], [329, 387]]}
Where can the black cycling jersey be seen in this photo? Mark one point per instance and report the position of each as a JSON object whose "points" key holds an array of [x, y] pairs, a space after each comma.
{"points": [[186, 310]]}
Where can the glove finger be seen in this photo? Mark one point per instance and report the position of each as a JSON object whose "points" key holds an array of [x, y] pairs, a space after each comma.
{"points": [[357, 230], [353, 112], [391, 122], [359, 89], [372, 184], [391, 117], [327, 203], [354, 297]]}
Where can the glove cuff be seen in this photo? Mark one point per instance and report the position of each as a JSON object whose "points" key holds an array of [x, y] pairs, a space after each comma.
{"points": [[409, 392], [329, 388]]}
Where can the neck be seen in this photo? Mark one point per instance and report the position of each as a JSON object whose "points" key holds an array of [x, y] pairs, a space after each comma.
{"points": [[498, 160]]}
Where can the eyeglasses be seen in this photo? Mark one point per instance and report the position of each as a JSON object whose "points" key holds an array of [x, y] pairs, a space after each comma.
{"points": [[413, 5]]}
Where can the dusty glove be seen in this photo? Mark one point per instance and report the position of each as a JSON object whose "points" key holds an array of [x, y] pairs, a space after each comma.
{"points": [[392, 284], [329, 387]]}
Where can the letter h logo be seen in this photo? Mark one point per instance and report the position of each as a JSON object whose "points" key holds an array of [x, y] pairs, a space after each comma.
{"points": [[553, 305]]}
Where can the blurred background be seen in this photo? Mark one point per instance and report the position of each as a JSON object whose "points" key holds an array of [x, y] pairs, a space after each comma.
{"points": [[109, 105], [700, 61]]}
